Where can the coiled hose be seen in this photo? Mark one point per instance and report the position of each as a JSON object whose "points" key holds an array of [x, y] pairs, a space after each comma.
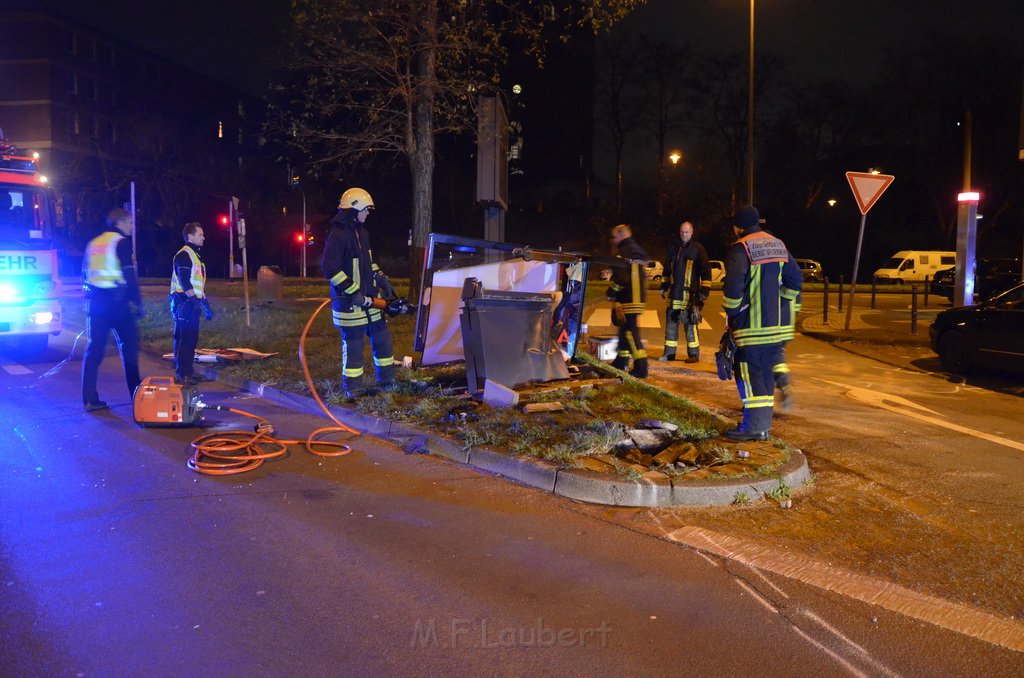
{"points": [[223, 453]]}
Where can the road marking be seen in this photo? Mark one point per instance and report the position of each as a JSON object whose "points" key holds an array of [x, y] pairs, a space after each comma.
{"points": [[846, 665], [943, 613], [14, 368], [838, 634], [906, 408]]}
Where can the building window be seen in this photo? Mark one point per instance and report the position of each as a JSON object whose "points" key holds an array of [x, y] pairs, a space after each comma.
{"points": [[93, 88], [220, 129], [72, 43], [73, 84], [239, 136], [113, 133], [241, 109], [76, 123], [95, 128]]}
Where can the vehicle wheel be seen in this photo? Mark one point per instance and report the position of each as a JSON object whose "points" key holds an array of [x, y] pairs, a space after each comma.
{"points": [[955, 352]]}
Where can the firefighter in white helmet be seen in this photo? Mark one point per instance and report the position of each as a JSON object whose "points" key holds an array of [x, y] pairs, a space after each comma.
{"points": [[359, 290]]}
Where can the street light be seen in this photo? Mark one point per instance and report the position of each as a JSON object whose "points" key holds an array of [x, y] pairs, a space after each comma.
{"points": [[750, 114], [675, 157]]}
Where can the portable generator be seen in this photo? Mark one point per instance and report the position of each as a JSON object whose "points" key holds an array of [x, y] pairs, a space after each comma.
{"points": [[159, 401]]}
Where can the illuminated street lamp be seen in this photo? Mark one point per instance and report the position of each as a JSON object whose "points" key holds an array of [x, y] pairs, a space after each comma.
{"points": [[674, 157]]}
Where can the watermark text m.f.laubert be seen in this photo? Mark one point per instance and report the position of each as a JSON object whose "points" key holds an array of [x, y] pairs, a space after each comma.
{"points": [[481, 633]]}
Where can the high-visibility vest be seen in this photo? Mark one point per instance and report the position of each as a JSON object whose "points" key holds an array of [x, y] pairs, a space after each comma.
{"points": [[198, 277], [102, 267]]}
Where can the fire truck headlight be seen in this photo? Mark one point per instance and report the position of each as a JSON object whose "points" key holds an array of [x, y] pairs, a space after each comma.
{"points": [[41, 318], [8, 293]]}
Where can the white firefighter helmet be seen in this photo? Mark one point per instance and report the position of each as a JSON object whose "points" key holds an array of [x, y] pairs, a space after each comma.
{"points": [[356, 198]]}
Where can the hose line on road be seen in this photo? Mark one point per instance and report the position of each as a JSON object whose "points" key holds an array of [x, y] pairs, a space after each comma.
{"points": [[230, 452]]}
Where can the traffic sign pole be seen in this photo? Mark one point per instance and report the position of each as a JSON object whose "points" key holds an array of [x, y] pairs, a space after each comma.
{"points": [[867, 188], [853, 280]]}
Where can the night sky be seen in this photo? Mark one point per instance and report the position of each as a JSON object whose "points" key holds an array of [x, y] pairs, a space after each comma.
{"points": [[238, 40], [235, 41]]}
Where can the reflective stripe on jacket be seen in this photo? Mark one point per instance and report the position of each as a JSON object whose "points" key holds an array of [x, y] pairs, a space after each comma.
{"points": [[761, 290]]}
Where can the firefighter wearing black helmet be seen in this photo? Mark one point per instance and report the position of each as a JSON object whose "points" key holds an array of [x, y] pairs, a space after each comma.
{"points": [[358, 290], [762, 281]]}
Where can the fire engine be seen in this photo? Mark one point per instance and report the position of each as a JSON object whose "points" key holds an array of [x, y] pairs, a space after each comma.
{"points": [[30, 288]]}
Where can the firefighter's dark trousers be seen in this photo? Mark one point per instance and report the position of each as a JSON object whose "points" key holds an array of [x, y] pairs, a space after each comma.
{"points": [[630, 344], [755, 381], [672, 333], [185, 312], [353, 341], [107, 312]]}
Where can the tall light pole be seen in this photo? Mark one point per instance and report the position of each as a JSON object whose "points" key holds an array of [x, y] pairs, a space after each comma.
{"points": [[750, 114]]}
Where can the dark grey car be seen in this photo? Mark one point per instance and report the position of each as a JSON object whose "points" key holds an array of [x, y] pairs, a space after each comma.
{"points": [[989, 334]]}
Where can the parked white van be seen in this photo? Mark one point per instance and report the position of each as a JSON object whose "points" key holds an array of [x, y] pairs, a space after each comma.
{"points": [[914, 266]]}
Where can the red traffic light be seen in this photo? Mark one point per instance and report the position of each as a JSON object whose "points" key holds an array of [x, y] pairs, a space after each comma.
{"points": [[224, 220], [298, 237]]}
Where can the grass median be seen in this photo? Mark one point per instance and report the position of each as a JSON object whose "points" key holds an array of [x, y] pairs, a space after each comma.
{"points": [[593, 420]]}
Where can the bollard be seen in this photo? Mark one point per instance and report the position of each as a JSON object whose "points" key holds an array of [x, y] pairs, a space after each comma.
{"points": [[913, 309], [874, 283], [824, 313], [840, 294], [927, 284]]}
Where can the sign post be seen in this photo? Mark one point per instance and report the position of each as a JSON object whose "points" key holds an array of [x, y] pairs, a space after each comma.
{"points": [[867, 189]]}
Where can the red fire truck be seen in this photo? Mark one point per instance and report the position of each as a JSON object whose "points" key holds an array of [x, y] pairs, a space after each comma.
{"points": [[29, 284]]}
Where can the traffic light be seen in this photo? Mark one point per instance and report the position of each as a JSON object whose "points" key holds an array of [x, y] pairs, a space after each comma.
{"points": [[295, 180], [310, 239], [298, 237], [224, 220]]}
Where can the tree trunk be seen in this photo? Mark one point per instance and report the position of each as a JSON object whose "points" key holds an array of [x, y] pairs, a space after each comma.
{"points": [[421, 158]]}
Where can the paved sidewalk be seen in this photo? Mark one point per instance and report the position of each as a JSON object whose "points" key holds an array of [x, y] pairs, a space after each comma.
{"points": [[878, 326]]}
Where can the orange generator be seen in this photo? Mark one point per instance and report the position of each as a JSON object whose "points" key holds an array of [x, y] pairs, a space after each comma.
{"points": [[159, 401]]}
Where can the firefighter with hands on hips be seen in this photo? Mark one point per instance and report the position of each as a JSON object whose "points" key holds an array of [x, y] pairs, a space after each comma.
{"points": [[761, 279], [113, 302], [687, 283], [188, 297], [628, 292], [358, 292]]}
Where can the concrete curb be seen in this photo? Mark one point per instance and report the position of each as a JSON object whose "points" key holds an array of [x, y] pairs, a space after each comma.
{"points": [[653, 489]]}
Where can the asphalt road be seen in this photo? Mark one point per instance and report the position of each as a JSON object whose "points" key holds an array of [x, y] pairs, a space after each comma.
{"points": [[117, 560]]}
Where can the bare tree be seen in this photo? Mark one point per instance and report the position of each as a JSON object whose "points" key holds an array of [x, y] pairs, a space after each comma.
{"points": [[618, 99], [387, 77]]}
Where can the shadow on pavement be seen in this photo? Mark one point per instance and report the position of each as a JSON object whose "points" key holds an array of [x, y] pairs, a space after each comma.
{"points": [[991, 380]]}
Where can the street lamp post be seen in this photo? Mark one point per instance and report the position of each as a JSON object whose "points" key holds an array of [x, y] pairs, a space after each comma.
{"points": [[750, 114]]}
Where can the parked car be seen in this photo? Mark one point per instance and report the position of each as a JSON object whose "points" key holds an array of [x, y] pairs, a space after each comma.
{"points": [[655, 270], [811, 269], [989, 334], [991, 276], [717, 270]]}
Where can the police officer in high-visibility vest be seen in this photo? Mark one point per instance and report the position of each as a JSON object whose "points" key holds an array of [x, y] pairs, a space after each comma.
{"points": [[113, 302], [761, 277], [358, 292], [687, 282], [628, 292], [188, 296]]}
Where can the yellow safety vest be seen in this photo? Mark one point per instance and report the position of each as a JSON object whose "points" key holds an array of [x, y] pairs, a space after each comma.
{"points": [[198, 277], [102, 267]]}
